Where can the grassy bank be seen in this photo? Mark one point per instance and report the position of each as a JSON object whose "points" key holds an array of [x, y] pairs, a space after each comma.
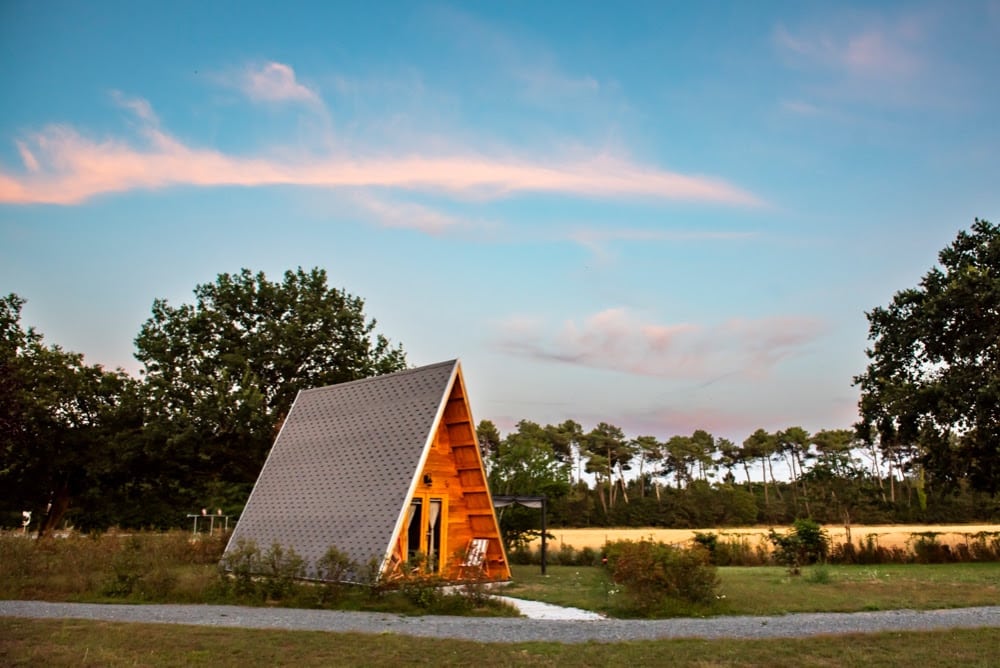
{"points": [[84, 643], [769, 590], [170, 568]]}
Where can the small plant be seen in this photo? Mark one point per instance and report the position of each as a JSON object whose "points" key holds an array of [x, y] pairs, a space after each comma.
{"points": [[819, 574], [333, 568], [709, 541], [242, 563], [127, 570], [281, 568], [807, 543]]}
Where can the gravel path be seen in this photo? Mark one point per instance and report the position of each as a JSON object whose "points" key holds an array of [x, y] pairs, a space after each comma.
{"points": [[506, 629]]}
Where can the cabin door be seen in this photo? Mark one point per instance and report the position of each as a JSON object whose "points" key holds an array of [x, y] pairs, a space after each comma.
{"points": [[424, 531]]}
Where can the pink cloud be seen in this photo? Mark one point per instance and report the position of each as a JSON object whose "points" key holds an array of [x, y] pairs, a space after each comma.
{"points": [[27, 157], [598, 241], [874, 51], [666, 422], [406, 215], [66, 167], [617, 340], [276, 82]]}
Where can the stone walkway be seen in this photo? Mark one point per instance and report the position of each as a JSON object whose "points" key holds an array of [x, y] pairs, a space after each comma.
{"points": [[539, 610]]}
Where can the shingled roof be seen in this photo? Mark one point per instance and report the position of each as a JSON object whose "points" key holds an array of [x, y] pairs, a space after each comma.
{"points": [[346, 463]]}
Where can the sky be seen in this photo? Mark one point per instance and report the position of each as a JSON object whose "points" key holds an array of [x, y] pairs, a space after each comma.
{"points": [[667, 216]]}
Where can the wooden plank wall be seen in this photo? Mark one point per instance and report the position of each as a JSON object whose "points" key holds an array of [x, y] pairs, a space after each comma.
{"points": [[456, 470]]}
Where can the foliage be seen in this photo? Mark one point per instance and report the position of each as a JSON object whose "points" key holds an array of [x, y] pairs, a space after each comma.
{"points": [[525, 463], [933, 380], [652, 572], [64, 425], [223, 372], [269, 576], [807, 543], [335, 569]]}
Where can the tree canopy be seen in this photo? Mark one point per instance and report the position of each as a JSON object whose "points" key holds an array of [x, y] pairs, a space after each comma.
{"points": [[61, 422], [223, 372], [933, 381]]}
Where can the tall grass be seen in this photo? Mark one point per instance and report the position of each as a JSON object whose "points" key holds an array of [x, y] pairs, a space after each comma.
{"points": [[178, 567]]}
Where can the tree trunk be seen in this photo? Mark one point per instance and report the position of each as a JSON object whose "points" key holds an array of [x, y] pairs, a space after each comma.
{"points": [[58, 506]]}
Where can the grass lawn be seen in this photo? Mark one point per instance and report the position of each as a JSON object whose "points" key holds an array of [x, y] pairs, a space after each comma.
{"points": [[769, 590], [57, 643]]}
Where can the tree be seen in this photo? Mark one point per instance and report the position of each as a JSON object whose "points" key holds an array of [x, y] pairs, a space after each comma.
{"points": [[647, 449], [60, 422], [609, 451], [222, 373], [795, 443], [526, 464], [761, 444], [489, 438], [933, 380]]}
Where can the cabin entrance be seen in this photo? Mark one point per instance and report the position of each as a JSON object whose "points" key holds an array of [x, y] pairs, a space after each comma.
{"points": [[423, 535]]}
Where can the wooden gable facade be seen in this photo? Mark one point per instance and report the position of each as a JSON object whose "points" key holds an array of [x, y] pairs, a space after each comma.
{"points": [[450, 505]]}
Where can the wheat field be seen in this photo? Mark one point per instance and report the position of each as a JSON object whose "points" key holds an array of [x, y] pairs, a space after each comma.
{"points": [[887, 535]]}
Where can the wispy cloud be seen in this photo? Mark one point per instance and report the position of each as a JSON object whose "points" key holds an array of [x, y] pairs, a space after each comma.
{"points": [[142, 109], [63, 166], [600, 240], [276, 82], [535, 71], [866, 60], [405, 215], [721, 421], [871, 52], [618, 340]]}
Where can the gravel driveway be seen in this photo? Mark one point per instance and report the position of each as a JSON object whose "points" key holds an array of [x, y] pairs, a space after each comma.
{"points": [[507, 629]]}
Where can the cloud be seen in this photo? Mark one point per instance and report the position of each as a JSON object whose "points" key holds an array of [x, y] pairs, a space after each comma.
{"points": [[276, 82], [665, 422], [597, 241], [138, 106], [617, 340], [871, 60], [67, 167], [406, 215], [872, 52], [27, 157]]}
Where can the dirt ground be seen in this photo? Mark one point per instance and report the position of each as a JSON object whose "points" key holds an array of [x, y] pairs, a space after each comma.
{"points": [[887, 535]]}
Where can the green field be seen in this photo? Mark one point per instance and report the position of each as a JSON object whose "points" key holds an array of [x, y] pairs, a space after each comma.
{"points": [[84, 643], [769, 590]]}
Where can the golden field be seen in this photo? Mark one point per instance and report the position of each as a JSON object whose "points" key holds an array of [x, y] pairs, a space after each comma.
{"points": [[887, 535]]}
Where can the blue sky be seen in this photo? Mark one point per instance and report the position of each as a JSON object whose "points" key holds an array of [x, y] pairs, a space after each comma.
{"points": [[663, 215]]}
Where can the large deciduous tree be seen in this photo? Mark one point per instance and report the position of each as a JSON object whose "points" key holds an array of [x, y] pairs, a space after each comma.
{"points": [[933, 380], [61, 424], [222, 373]]}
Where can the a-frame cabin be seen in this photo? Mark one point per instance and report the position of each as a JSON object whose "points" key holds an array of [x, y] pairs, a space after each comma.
{"points": [[386, 468]]}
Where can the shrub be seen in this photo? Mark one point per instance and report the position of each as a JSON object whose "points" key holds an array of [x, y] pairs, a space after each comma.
{"points": [[927, 549], [242, 563], [281, 568], [709, 541], [334, 568], [807, 543], [653, 572], [127, 569]]}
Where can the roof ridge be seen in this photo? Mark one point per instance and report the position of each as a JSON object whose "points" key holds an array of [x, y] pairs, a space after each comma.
{"points": [[385, 376]]}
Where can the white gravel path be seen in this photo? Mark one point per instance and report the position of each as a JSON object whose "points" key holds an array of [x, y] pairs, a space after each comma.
{"points": [[506, 629]]}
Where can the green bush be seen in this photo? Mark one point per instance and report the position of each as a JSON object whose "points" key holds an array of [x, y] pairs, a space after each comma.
{"points": [[807, 543], [653, 572], [281, 569]]}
